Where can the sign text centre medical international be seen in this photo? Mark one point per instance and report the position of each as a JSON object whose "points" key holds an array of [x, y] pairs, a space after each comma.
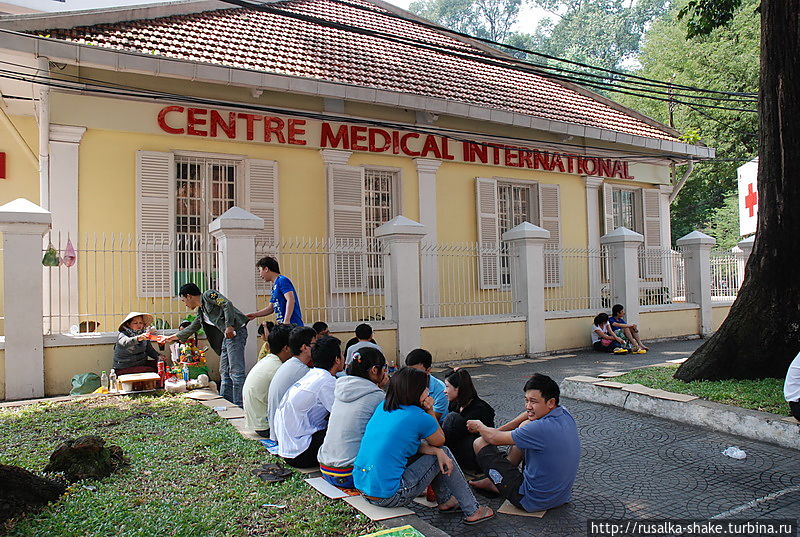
{"points": [[276, 129]]}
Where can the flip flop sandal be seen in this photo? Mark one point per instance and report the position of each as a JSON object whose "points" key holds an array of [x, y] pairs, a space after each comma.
{"points": [[277, 468], [478, 521], [272, 475]]}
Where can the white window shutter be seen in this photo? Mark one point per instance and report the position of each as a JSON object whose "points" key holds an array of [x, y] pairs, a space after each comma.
{"points": [[155, 222], [488, 234], [550, 219], [347, 228], [651, 213], [608, 209], [261, 188]]}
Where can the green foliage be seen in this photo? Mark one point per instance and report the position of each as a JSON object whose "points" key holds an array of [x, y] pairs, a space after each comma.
{"points": [[723, 224], [727, 60], [490, 19], [764, 394], [704, 16], [189, 475]]}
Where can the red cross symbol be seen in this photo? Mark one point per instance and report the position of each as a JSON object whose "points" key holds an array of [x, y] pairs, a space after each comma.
{"points": [[751, 199]]}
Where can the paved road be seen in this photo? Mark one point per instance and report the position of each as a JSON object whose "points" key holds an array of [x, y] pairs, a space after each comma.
{"points": [[635, 466]]}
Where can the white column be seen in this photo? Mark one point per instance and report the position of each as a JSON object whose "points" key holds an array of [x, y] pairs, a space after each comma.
{"points": [[337, 302], [23, 224], [64, 145], [697, 262], [426, 174], [666, 222], [527, 244], [402, 237], [235, 231], [623, 247], [594, 224]]}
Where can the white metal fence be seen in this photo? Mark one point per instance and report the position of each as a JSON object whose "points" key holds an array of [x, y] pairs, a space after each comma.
{"points": [[105, 282], [454, 285], [337, 280], [662, 277], [727, 273], [584, 281]]}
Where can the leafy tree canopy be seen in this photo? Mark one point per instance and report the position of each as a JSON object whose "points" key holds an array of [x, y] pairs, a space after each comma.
{"points": [[490, 19]]}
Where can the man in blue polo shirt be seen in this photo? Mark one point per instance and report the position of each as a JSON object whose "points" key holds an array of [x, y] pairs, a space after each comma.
{"points": [[284, 301], [545, 436]]}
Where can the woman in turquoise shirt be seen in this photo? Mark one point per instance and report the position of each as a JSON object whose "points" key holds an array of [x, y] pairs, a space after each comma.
{"points": [[402, 427]]}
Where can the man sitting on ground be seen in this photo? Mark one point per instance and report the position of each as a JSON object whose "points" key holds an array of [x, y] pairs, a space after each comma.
{"points": [[302, 417], [321, 328], [545, 436], [301, 339], [629, 332], [256, 386], [364, 335], [422, 360]]}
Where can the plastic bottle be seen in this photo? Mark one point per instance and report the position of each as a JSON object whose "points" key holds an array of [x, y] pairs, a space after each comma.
{"points": [[112, 381], [104, 380], [185, 373], [162, 372]]}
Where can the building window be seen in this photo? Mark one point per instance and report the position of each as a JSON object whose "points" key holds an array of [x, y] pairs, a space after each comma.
{"points": [[514, 206], [205, 189], [624, 209], [380, 206]]}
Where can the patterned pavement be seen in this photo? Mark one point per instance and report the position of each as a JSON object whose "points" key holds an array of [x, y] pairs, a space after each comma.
{"points": [[635, 466]]}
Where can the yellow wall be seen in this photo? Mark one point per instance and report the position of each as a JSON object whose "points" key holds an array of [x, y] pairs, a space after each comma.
{"points": [[22, 176], [718, 314], [567, 333], [447, 343], [658, 324], [387, 339]]}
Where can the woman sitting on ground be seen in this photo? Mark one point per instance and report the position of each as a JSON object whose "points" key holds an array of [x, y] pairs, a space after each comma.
{"points": [[133, 352], [603, 337], [464, 405], [404, 426], [356, 396]]}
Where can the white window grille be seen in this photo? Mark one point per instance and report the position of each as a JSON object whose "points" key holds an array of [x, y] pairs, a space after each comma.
{"points": [[379, 207], [624, 209]]}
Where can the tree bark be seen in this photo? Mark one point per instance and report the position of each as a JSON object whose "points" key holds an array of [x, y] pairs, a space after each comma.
{"points": [[761, 334], [22, 491]]}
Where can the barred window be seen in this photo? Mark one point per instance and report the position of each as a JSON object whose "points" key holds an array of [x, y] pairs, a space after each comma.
{"points": [[380, 206]]}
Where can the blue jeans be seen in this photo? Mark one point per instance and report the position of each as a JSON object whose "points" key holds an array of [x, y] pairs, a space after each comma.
{"points": [[231, 367], [425, 471]]}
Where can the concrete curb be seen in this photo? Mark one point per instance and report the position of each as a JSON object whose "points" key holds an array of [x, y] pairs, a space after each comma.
{"points": [[752, 424]]}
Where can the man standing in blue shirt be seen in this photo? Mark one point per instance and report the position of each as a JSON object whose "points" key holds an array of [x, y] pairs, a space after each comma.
{"points": [[283, 302], [545, 436]]}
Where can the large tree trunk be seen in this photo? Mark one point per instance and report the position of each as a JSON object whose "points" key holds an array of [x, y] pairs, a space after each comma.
{"points": [[762, 332]]}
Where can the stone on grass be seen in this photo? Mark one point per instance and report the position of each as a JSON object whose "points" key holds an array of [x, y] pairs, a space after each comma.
{"points": [[86, 457]]}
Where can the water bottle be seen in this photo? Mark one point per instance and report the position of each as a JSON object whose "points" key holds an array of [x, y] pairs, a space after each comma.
{"points": [[112, 381], [104, 380], [185, 372]]}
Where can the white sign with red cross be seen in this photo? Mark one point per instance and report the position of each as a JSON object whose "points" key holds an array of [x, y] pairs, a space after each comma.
{"points": [[748, 197]]}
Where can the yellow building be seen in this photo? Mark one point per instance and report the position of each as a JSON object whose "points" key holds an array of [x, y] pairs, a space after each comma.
{"points": [[326, 119]]}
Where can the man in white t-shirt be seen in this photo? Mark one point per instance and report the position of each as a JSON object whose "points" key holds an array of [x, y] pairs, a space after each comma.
{"points": [[302, 417], [256, 387], [364, 335], [791, 388], [301, 340]]}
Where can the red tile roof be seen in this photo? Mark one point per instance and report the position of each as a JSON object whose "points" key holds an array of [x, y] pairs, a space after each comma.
{"points": [[275, 43]]}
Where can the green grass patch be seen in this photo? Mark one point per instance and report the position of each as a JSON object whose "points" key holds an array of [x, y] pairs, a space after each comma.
{"points": [[764, 394], [189, 475]]}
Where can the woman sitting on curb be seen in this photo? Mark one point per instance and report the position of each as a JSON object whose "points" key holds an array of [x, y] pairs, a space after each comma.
{"points": [[604, 339], [403, 426], [464, 405]]}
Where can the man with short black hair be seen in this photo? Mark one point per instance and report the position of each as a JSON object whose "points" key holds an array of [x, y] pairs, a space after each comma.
{"points": [[364, 335], [301, 340], [283, 302], [321, 328], [226, 330], [423, 360], [256, 386], [545, 436], [302, 417]]}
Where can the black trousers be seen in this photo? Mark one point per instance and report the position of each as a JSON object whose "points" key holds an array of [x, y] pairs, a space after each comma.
{"points": [[794, 406], [460, 441], [308, 458]]}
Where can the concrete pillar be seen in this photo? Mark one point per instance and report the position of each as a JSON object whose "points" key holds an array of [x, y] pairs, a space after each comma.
{"points": [[64, 145], [527, 243], [696, 248], [401, 237], [594, 224], [426, 174], [235, 231], [23, 224], [665, 191], [623, 245]]}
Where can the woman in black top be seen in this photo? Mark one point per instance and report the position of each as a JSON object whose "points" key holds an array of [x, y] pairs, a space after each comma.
{"points": [[464, 405]]}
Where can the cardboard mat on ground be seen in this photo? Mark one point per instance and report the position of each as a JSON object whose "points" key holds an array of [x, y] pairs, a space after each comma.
{"points": [[375, 513], [509, 509]]}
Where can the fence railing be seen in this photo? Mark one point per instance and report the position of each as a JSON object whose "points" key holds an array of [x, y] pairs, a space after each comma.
{"points": [[114, 274], [583, 282], [662, 277], [337, 280], [467, 280], [727, 273]]}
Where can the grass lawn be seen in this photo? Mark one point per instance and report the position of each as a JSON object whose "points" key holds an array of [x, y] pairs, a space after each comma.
{"points": [[765, 394], [189, 475]]}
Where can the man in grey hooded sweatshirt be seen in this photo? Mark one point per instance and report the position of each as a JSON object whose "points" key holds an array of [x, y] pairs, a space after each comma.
{"points": [[356, 396]]}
